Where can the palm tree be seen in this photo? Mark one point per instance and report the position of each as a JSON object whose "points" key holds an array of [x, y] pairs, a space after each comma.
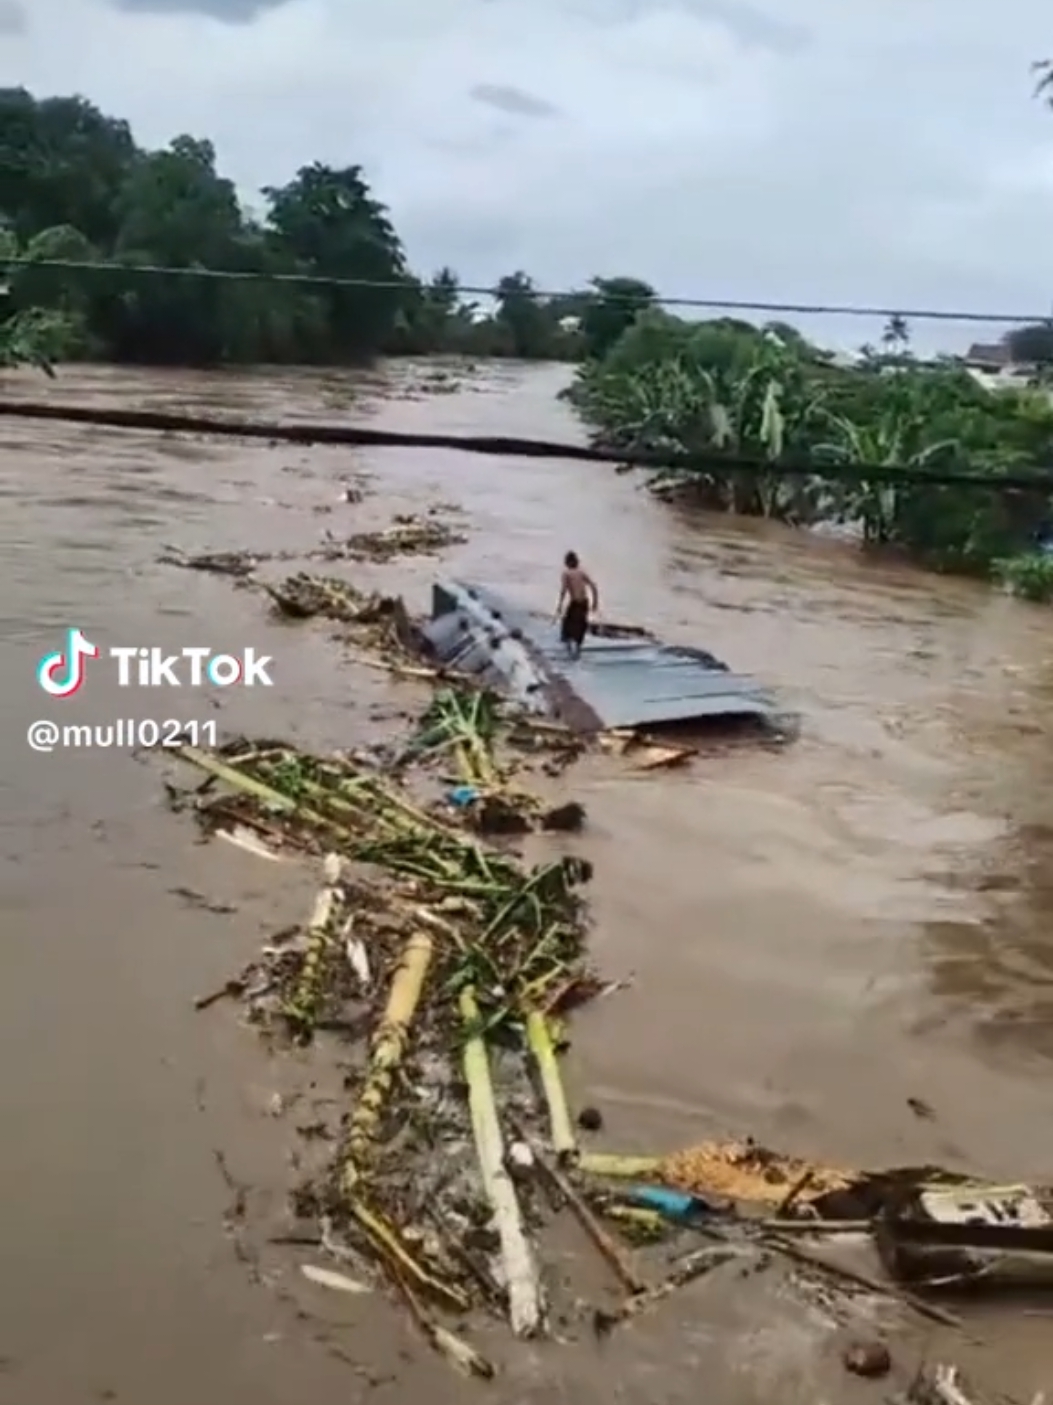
{"points": [[896, 334]]}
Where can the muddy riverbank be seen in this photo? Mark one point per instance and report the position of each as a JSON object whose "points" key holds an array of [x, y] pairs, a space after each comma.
{"points": [[816, 934]]}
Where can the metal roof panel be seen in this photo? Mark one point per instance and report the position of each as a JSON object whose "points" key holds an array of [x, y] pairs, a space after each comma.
{"points": [[620, 682]]}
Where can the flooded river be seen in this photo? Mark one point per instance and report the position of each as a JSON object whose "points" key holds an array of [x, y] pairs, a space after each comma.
{"points": [[815, 934]]}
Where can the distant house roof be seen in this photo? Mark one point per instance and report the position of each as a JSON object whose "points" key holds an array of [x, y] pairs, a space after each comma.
{"points": [[989, 354]]}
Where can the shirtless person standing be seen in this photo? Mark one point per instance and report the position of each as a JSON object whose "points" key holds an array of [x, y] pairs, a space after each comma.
{"points": [[575, 589]]}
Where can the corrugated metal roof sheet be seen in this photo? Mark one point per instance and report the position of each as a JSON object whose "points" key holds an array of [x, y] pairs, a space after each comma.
{"points": [[616, 682]]}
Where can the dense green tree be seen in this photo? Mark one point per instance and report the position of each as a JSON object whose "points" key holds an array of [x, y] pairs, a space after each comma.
{"points": [[432, 315], [174, 211], [329, 224], [62, 162], [522, 316], [32, 284], [75, 188], [612, 309], [1032, 345]]}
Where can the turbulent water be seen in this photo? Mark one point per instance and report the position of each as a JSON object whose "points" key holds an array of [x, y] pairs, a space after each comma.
{"points": [[815, 934]]}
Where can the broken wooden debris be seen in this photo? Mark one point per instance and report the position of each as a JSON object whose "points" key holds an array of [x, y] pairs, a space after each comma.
{"points": [[389, 1049], [619, 1262], [691, 1268]]}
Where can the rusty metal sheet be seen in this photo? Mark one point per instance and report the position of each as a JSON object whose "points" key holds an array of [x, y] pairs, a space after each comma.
{"points": [[617, 682]]}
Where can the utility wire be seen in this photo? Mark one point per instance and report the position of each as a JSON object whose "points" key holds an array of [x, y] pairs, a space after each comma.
{"points": [[355, 436], [316, 280]]}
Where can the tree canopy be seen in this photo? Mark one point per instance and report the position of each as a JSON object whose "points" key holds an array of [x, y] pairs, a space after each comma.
{"points": [[1032, 345], [76, 187]]}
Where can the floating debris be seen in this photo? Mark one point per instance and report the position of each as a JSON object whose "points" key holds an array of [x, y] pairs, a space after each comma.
{"points": [[410, 536], [955, 1235], [691, 1268], [463, 724], [432, 867], [445, 964], [382, 620], [303, 596], [248, 842], [944, 1385], [463, 946], [732, 1170], [222, 563], [870, 1359], [647, 753], [329, 1278]]}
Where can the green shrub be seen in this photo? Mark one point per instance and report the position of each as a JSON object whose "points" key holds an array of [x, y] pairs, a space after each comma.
{"points": [[1028, 575]]}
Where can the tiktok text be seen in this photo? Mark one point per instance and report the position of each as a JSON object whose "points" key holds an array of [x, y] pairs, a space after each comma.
{"points": [[153, 668]]}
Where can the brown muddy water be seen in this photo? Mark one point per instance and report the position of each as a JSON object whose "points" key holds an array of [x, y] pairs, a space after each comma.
{"points": [[816, 934]]}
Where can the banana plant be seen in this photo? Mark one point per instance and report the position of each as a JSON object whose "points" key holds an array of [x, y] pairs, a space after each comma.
{"points": [[760, 413], [890, 442]]}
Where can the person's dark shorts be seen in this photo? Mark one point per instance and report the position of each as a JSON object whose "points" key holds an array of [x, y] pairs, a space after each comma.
{"points": [[575, 624]]}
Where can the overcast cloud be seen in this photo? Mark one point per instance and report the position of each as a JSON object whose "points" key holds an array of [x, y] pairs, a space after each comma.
{"points": [[13, 17], [883, 151]]}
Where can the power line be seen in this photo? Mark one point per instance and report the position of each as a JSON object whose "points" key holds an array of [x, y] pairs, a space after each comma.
{"points": [[916, 314], [357, 436]]}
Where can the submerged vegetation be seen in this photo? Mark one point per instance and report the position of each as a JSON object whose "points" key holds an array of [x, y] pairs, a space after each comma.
{"points": [[33, 337], [1028, 575], [733, 398]]}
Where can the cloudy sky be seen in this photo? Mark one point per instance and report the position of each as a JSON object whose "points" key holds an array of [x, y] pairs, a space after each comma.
{"points": [[876, 151]]}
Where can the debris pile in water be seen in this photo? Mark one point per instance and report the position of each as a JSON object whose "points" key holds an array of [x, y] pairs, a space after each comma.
{"points": [[409, 535], [462, 726], [455, 950], [304, 596], [447, 965]]}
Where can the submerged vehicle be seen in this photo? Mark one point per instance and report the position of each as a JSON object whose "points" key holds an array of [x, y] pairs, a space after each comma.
{"points": [[624, 677]]}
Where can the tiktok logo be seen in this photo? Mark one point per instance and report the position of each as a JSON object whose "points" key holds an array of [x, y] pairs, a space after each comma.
{"points": [[62, 674]]}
